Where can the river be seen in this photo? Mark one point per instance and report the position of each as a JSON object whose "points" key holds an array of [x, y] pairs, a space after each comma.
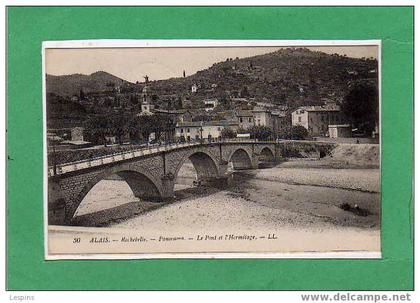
{"points": [[269, 198], [305, 207]]}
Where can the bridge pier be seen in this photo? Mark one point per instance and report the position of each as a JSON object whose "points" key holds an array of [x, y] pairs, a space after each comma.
{"points": [[278, 153], [168, 184], [219, 179], [255, 160], [56, 205]]}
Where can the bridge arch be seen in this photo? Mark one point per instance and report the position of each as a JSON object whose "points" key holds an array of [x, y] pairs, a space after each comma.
{"points": [[141, 183], [266, 158], [267, 155], [240, 159], [204, 163]]}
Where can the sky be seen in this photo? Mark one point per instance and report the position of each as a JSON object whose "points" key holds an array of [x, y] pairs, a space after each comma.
{"points": [[132, 64]]}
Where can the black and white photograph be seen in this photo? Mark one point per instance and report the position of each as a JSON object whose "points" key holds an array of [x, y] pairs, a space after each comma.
{"points": [[201, 148]]}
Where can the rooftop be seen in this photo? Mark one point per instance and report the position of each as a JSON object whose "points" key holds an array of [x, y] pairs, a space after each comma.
{"points": [[339, 125], [206, 123], [244, 113], [210, 100], [321, 108], [260, 109], [170, 111], [278, 113]]}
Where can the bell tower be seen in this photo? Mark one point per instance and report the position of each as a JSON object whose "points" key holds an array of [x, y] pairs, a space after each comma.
{"points": [[146, 104]]}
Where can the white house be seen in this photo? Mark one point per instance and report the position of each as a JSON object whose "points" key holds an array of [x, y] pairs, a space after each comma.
{"points": [[203, 129], [194, 88], [210, 104], [316, 119], [262, 117], [339, 131], [245, 118]]}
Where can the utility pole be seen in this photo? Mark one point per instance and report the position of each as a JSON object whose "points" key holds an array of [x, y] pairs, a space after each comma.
{"points": [[201, 132], [164, 162]]}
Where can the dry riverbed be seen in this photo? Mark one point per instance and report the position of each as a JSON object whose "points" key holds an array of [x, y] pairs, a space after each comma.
{"points": [[267, 198], [304, 203]]}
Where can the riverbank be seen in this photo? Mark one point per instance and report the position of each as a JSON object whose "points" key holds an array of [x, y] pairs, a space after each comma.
{"points": [[290, 196], [271, 199], [305, 209]]}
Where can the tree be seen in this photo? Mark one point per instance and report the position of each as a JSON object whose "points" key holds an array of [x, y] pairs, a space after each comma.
{"points": [[228, 133], [160, 125], [241, 130], [133, 130], [141, 126], [260, 132], [110, 85], [362, 107], [82, 94], [96, 128], [245, 92], [119, 126], [298, 132], [225, 69], [134, 100], [155, 98], [145, 125]]}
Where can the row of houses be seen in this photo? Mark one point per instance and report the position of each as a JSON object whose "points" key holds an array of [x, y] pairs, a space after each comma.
{"points": [[188, 129], [319, 121], [323, 120]]}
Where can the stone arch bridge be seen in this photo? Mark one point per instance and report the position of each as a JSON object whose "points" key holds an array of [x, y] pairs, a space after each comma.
{"points": [[151, 173]]}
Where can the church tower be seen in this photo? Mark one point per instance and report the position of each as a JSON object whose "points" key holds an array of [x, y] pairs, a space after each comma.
{"points": [[146, 101]]}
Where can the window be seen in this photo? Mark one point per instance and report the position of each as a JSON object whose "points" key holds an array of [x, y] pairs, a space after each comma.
{"points": [[240, 120], [182, 130], [300, 119], [249, 120], [188, 130]]}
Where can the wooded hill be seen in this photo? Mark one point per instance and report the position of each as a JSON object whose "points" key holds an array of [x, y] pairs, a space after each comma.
{"points": [[292, 76]]}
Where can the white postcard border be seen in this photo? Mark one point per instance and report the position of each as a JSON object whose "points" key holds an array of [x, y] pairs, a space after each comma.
{"points": [[179, 43]]}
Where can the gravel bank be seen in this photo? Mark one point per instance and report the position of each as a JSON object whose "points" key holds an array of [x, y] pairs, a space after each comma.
{"points": [[257, 199], [355, 179]]}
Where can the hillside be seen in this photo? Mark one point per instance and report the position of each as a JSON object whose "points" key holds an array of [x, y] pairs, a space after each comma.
{"points": [[69, 85], [293, 75], [288, 75], [64, 113]]}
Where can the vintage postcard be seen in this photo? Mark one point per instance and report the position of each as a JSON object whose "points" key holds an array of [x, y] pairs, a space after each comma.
{"points": [[212, 148]]}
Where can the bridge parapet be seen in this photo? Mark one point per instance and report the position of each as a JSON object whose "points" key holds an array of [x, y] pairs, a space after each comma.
{"points": [[131, 154]]}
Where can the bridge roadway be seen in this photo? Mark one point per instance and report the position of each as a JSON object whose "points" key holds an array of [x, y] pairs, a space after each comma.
{"points": [[115, 157], [151, 172]]}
